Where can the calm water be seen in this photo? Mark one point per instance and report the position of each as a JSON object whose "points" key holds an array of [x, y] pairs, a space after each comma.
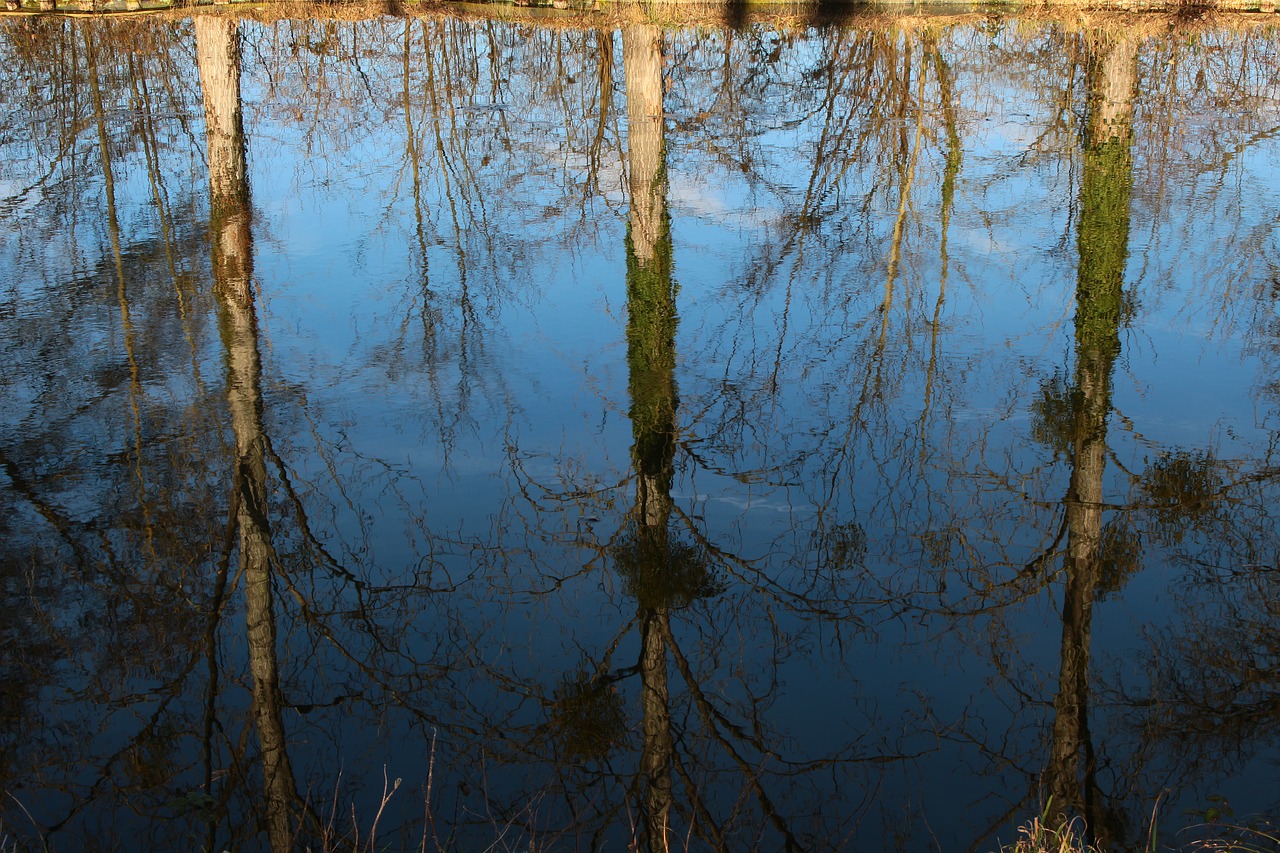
{"points": [[837, 437]]}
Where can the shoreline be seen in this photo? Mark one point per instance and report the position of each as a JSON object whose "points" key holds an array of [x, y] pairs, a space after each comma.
{"points": [[672, 12]]}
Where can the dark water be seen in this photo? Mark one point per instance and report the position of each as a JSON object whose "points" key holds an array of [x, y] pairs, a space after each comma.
{"points": [[849, 437]]}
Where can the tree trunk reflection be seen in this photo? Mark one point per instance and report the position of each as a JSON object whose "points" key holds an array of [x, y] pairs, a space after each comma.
{"points": [[651, 359], [218, 56], [1103, 237]]}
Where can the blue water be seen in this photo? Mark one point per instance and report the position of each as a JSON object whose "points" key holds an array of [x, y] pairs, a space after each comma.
{"points": [[878, 378]]}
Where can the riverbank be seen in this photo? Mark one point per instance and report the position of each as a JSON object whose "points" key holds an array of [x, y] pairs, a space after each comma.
{"points": [[676, 11], [1148, 17]]}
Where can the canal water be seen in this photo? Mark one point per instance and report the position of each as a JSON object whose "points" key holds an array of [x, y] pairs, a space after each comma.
{"points": [[432, 432]]}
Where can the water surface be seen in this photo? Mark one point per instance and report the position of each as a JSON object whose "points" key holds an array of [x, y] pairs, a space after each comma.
{"points": [[455, 433]]}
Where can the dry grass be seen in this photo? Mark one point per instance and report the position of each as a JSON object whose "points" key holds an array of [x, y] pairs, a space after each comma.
{"points": [[1230, 837], [1072, 15], [1039, 837], [1135, 17]]}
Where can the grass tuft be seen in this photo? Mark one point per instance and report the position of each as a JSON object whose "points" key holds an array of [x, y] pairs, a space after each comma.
{"points": [[1039, 837], [1259, 836]]}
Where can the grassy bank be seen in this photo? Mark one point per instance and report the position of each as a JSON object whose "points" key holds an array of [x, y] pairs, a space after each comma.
{"points": [[679, 10]]}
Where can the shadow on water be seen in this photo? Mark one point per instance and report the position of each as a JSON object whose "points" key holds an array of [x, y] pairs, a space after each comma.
{"points": [[737, 14], [834, 13]]}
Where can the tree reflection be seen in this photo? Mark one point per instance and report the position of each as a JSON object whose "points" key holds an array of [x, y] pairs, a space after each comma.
{"points": [[218, 55], [1103, 240], [710, 764], [660, 572], [728, 623]]}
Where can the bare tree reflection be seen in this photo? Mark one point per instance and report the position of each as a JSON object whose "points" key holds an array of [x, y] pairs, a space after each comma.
{"points": [[1103, 240], [654, 569], [611, 634], [218, 54]]}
